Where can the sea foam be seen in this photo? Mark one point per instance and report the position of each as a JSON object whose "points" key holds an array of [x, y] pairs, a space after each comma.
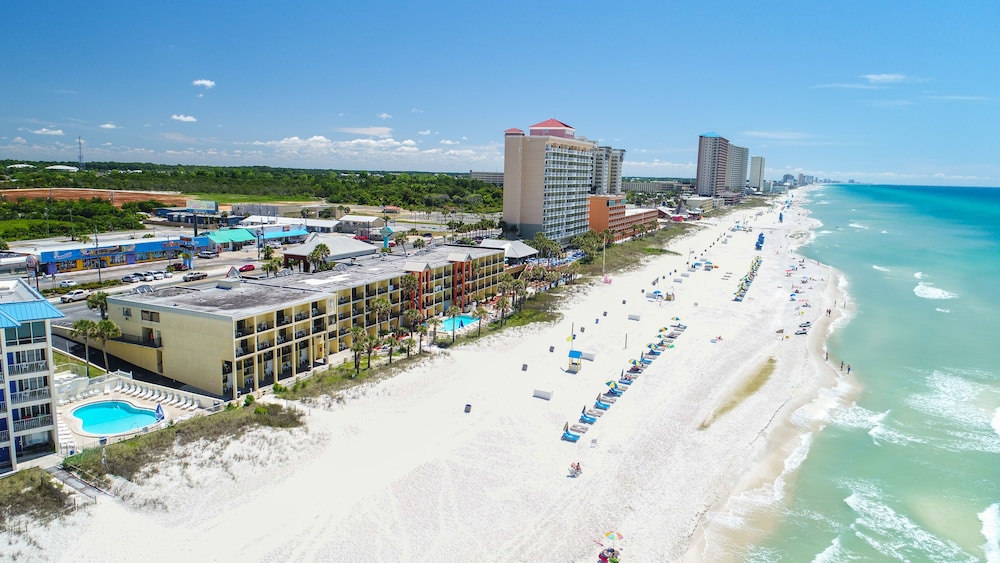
{"points": [[880, 268], [956, 404], [928, 291], [991, 531]]}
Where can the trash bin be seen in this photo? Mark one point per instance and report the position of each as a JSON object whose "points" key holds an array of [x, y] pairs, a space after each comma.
{"points": [[468, 408], [104, 440], [552, 348]]}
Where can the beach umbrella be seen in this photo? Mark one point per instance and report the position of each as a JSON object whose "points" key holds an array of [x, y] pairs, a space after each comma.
{"points": [[613, 536], [634, 362], [675, 318], [664, 329], [611, 384]]}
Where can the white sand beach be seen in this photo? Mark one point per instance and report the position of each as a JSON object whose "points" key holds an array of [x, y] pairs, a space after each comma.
{"points": [[400, 472]]}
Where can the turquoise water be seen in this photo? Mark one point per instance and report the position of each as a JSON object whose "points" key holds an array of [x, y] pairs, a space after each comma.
{"points": [[113, 417], [458, 322], [909, 470]]}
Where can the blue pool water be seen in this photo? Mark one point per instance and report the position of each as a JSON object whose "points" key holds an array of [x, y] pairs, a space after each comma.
{"points": [[113, 417], [458, 322]]}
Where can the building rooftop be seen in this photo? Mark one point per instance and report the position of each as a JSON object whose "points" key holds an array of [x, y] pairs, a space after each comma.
{"points": [[261, 295], [551, 124], [20, 303]]}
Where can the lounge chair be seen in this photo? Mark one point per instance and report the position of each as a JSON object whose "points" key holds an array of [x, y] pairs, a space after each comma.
{"points": [[570, 437], [167, 397], [192, 405], [579, 428], [197, 405], [177, 400], [587, 419], [610, 399], [602, 406], [613, 392], [183, 404]]}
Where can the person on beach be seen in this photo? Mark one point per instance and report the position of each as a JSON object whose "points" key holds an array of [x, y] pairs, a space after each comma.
{"points": [[848, 369], [841, 366]]}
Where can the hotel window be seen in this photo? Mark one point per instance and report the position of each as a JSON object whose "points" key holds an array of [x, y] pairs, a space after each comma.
{"points": [[151, 316]]}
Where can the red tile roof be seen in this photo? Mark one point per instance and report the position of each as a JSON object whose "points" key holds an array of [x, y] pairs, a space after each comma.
{"points": [[513, 131], [551, 123]]}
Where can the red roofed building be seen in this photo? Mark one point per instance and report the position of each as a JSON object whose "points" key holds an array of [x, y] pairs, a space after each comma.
{"points": [[552, 128]]}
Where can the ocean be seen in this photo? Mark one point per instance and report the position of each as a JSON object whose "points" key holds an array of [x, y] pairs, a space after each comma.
{"points": [[906, 466]]}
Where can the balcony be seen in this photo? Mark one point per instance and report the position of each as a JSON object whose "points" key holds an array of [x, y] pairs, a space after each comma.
{"points": [[28, 367], [315, 312], [318, 329], [264, 344], [29, 396], [32, 423], [301, 316], [264, 326], [3, 409], [240, 352], [4, 436], [301, 333], [284, 320], [141, 340]]}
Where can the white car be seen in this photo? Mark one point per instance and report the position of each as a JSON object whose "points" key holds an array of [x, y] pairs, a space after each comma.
{"points": [[158, 275], [67, 283], [75, 295], [167, 274]]}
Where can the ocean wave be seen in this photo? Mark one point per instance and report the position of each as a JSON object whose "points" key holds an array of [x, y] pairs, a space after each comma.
{"points": [[893, 534], [884, 232], [875, 422], [940, 310], [833, 553], [928, 291], [991, 531], [880, 268], [918, 275], [857, 226], [959, 406]]}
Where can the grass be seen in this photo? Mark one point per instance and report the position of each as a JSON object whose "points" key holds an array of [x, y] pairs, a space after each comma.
{"points": [[227, 199], [749, 387], [629, 254], [126, 459], [33, 493], [64, 359]]}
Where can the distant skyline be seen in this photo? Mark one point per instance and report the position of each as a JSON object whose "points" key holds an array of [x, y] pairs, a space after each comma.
{"points": [[850, 90]]}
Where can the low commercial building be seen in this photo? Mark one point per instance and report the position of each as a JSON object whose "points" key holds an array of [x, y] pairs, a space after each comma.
{"points": [[106, 250], [609, 212], [361, 225], [242, 334], [27, 403]]}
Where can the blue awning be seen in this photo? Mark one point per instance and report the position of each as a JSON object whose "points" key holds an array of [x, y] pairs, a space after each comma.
{"points": [[576, 354]]}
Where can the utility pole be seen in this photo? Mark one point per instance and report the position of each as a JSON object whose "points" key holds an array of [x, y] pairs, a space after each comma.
{"points": [[97, 251]]}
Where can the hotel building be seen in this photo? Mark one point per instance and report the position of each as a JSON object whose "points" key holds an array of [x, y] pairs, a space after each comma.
{"points": [[607, 171], [713, 153], [736, 168], [757, 172], [27, 401], [609, 212], [548, 175], [238, 335]]}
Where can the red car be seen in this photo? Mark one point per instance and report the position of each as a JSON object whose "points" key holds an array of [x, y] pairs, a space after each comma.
{"points": [[247, 268]]}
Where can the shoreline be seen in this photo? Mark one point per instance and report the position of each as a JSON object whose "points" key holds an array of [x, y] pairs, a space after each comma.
{"points": [[403, 473]]}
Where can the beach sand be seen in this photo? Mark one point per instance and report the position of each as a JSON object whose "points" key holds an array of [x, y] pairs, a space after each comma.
{"points": [[400, 472]]}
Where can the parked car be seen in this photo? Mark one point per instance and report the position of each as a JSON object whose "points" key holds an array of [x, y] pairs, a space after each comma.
{"points": [[131, 278], [802, 331], [806, 324], [191, 276], [67, 283], [167, 274], [75, 295], [247, 268], [208, 254], [178, 267], [157, 275]]}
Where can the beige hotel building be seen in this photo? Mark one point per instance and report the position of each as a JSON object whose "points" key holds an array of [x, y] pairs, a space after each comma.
{"points": [[240, 334]]}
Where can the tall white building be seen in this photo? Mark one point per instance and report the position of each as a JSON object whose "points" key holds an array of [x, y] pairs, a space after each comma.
{"points": [[548, 175], [757, 172], [607, 171], [27, 397], [736, 168], [713, 153]]}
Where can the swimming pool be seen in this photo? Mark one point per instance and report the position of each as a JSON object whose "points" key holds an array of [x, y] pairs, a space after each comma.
{"points": [[460, 321], [113, 417]]}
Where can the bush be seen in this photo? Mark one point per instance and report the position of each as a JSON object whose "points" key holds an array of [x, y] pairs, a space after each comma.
{"points": [[248, 400]]}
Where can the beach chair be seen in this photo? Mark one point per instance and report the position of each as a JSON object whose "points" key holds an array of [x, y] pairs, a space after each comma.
{"points": [[183, 404], [570, 437], [586, 419], [579, 428], [197, 405], [177, 400], [602, 406], [605, 398], [192, 405]]}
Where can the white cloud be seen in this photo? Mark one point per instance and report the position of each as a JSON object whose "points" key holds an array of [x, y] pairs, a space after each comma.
{"points": [[885, 78], [47, 131], [383, 115], [373, 131], [185, 118], [424, 132], [448, 142], [204, 82], [464, 138], [417, 110], [108, 126], [19, 140]]}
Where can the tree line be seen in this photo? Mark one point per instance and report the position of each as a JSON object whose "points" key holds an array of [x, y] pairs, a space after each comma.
{"points": [[412, 190]]}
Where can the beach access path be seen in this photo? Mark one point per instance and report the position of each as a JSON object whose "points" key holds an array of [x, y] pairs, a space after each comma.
{"points": [[400, 472]]}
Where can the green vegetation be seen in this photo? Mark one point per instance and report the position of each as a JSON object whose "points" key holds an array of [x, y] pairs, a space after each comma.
{"points": [[629, 254], [63, 359], [412, 190], [31, 492], [127, 459], [27, 219]]}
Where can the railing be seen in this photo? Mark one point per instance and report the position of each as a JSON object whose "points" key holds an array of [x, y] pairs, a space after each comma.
{"points": [[28, 396], [264, 344], [4, 436], [263, 326], [301, 333], [32, 423], [318, 329], [141, 341], [301, 316], [241, 352], [284, 320], [315, 312], [281, 339], [27, 367], [3, 409]]}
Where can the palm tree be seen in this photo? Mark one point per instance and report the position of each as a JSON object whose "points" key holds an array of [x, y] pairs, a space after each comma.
{"points": [[409, 344], [502, 304], [271, 266], [453, 312], [268, 253], [434, 323], [323, 252], [422, 331], [419, 243], [357, 346], [518, 288], [381, 307], [99, 300], [371, 343], [85, 329], [104, 331], [408, 284], [411, 318], [480, 313]]}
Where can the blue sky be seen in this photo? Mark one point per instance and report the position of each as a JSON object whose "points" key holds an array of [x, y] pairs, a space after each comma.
{"points": [[884, 92]]}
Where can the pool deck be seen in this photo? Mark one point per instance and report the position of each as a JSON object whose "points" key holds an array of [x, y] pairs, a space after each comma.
{"points": [[72, 436]]}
